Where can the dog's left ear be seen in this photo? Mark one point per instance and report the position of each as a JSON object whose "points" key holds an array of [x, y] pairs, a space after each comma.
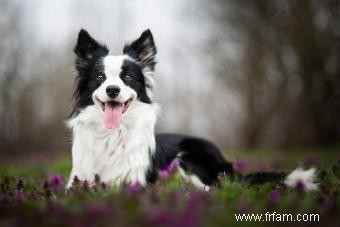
{"points": [[87, 46], [143, 49]]}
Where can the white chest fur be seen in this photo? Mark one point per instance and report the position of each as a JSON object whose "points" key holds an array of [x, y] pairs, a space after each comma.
{"points": [[120, 155]]}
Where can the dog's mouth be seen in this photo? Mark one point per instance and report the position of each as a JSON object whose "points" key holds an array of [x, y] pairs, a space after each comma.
{"points": [[113, 112]]}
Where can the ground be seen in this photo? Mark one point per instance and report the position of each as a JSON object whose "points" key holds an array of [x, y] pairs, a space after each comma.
{"points": [[32, 194]]}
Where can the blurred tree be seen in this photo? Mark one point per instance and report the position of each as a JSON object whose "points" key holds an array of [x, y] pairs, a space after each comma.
{"points": [[289, 71], [31, 82], [9, 59]]}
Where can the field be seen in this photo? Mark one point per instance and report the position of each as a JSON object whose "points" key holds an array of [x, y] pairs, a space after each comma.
{"points": [[32, 194]]}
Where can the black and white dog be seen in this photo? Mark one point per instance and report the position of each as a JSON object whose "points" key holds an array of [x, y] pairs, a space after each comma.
{"points": [[113, 123]]}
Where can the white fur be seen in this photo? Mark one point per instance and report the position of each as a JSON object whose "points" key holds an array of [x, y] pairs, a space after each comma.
{"points": [[194, 180], [120, 155], [307, 177], [149, 81]]}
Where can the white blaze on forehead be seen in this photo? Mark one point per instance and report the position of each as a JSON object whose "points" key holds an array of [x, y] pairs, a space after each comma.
{"points": [[112, 69], [113, 65]]}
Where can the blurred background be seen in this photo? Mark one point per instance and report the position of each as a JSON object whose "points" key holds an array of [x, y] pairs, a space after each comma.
{"points": [[245, 74]]}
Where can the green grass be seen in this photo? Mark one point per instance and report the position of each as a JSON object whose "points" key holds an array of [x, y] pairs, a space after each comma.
{"points": [[40, 200]]}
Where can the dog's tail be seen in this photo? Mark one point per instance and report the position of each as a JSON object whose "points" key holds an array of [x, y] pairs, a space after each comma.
{"points": [[304, 179]]}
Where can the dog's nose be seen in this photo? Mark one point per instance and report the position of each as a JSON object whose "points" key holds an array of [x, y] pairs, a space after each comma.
{"points": [[112, 90]]}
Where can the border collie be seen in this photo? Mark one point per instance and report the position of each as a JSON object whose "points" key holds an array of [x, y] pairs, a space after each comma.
{"points": [[113, 123]]}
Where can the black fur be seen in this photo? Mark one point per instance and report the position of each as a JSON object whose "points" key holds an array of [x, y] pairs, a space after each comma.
{"points": [[264, 177], [203, 159], [143, 49], [138, 82], [196, 156], [88, 64]]}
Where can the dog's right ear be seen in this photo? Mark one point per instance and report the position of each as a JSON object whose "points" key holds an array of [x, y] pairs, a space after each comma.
{"points": [[86, 46], [143, 49]]}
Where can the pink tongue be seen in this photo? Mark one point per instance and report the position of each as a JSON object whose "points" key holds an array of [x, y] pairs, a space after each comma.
{"points": [[112, 115]]}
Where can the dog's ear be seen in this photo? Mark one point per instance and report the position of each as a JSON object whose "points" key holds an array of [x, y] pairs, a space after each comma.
{"points": [[143, 49], [86, 46]]}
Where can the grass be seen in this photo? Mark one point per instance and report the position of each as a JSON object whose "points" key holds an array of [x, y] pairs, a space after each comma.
{"points": [[34, 195]]}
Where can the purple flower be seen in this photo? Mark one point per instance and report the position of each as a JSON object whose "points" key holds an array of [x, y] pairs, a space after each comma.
{"points": [[86, 186], [76, 180], [34, 194], [166, 170], [189, 217], [274, 197], [97, 179], [239, 165], [174, 165], [300, 186], [259, 166], [47, 188], [45, 184], [324, 204], [97, 210], [56, 209], [134, 187], [20, 184], [19, 196], [56, 181], [163, 173], [160, 216], [104, 186]]}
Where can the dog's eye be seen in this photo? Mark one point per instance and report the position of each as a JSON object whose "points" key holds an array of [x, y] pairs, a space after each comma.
{"points": [[100, 77], [128, 76]]}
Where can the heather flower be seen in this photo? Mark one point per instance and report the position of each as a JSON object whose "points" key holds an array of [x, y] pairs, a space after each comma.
{"points": [[240, 165], [166, 170], [134, 187], [96, 210], [160, 216], [104, 186], [56, 182], [19, 196], [300, 186], [34, 194], [163, 172], [86, 186], [76, 180], [97, 179], [259, 166], [324, 204], [56, 209], [45, 185], [47, 189], [174, 164], [274, 197], [20, 184], [189, 216]]}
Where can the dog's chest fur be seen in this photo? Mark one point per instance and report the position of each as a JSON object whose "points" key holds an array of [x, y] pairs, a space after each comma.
{"points": [[120, 155]]}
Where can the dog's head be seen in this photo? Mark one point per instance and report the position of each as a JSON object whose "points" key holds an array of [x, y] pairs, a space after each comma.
{"points": [[113, 82]]}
